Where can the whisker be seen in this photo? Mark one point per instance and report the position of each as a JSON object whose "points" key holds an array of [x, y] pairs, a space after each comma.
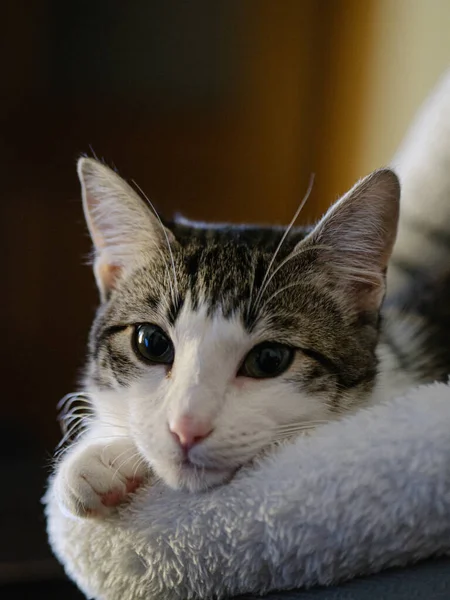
{"points": [[281, 290], [59, 451], [81, 418], [289, 430], [79, 406], [78, 413], [102, 455], [65, 398], [66, 401], [284, 434], [69, 433], [76, 408], [73, 409], [291, 257], [167, 240], [286, 233], [160, 252], [250, 296], [280, 434], [138, 464], [302, 424], [355, 274], [134, 455], [289, 436], [73, 418], [119, 455], [294, 430]]}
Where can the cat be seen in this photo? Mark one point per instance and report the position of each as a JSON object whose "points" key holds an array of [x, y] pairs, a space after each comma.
{"points": [[215, 343]]}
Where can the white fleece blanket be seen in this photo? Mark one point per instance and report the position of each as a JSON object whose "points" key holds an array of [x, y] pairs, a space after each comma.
{"points": [[362, 494]]}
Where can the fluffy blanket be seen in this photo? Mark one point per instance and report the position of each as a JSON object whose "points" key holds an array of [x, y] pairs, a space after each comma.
{"points": [[362, 494]]}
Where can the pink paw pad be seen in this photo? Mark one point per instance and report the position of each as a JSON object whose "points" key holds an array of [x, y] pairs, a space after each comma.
{"points": [[116, 497], [133, 484], [113, 498]]}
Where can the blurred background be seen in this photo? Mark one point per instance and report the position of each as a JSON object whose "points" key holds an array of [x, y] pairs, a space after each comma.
{"points": [[218, 109]]}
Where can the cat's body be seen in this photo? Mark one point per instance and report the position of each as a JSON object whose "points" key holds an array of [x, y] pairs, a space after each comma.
{"points": [[379, 477], [213, 343]]}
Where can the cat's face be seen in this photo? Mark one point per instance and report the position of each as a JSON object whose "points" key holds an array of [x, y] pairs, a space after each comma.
{"points": [[206, 350]]}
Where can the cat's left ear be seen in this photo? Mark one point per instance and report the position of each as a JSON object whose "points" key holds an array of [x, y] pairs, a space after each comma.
{"points": [[123, 228], [356, 236]]}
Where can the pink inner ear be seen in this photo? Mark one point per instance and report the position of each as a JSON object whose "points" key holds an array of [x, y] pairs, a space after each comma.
{"points": [[108, 274]]}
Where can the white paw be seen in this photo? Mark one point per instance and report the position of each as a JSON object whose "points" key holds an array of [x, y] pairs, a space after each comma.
{"points": [[94, 479]]}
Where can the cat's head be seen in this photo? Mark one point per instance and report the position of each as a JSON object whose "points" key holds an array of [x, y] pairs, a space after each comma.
{"points": [[213, 342]]}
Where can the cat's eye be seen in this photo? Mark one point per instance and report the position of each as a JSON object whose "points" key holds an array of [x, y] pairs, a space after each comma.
{"points": [[153, 345], [267, 360]]}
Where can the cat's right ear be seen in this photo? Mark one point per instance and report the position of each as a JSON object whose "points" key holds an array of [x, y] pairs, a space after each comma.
{"points": [[123, 228]]}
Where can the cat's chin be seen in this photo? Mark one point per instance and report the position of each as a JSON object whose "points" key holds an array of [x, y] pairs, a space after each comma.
{"points": [[192, 478]]}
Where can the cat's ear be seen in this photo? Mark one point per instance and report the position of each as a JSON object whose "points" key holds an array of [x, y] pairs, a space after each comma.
{"points": [[123, 228], [356, 237]]}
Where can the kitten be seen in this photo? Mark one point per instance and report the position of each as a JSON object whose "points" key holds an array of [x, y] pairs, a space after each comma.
{"points": [[213, 342]]}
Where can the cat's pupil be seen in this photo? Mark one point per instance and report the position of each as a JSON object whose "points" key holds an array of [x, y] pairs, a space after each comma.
{"points": [[152, 344], [156, 343], [267, 360]]}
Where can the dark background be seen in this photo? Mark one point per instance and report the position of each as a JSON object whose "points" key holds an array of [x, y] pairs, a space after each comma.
{"points": [[218, 109]]}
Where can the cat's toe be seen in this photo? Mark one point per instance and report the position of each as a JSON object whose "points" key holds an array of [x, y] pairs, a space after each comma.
{"points": [[115, 497]]}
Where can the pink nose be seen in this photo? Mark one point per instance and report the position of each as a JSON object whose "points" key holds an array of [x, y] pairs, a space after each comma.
{"points": [[189, 431]]}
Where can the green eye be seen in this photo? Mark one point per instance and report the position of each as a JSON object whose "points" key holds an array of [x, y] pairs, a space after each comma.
{"points": [[267, 360], [153, 345]]}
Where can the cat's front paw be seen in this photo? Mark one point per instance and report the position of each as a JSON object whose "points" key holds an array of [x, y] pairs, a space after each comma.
{"points": [[94, 479]]}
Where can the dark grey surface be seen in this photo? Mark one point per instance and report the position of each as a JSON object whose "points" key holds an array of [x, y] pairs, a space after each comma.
{"points": [[426, 581]]}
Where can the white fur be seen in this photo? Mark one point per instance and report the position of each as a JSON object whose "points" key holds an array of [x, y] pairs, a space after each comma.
{"points": [[360, 495]]}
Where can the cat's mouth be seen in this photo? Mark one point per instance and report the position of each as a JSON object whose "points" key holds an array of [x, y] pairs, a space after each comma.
{"points": [[198, 478], [187, 465]]}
